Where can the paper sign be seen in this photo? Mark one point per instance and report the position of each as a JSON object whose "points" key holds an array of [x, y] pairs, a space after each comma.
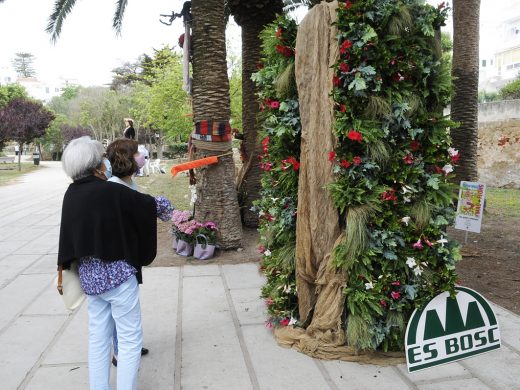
{"points": [[470, 206]]}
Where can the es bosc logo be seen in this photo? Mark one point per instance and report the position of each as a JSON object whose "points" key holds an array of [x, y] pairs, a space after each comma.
{"points": [[450, 329]]}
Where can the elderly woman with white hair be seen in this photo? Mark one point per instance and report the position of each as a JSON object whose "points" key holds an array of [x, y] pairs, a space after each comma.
{"points": [[112, 231]]}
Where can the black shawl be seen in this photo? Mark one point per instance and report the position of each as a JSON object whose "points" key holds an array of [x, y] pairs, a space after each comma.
{"points": [[107, 221]]}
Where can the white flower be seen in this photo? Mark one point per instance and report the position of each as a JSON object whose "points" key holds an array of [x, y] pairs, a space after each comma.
{"points": [[448, 168], [293, 321], [369, 286], [417, 271], [380, 276], [406, 189], [267, 252], [405, 220], [262, 212], [452, 152], [410, 262], [407, 199], [442, 241]]}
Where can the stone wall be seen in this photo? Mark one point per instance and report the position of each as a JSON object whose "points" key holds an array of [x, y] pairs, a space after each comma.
{"points": [[499, 143]]}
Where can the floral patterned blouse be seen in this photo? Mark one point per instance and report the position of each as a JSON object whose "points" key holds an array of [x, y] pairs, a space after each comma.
{"points": [[97, 276]]}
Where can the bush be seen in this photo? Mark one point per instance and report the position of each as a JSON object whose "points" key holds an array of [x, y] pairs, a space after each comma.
{"points": [[177, 149], [484, 96], [511, 90]]}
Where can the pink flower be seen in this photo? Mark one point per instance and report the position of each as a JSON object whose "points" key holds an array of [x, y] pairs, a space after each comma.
{"points": [[332, 155], [356, 160], [284, 322], [383, 303], [274, 104], [269, 301], [355, 136], [396, 283], [395, 294], [427, 242], [269, 325], [418, 245], [261, 249]]}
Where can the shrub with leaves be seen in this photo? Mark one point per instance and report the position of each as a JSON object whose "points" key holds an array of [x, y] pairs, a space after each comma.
{"points": [[393, 162], [280, 137]]}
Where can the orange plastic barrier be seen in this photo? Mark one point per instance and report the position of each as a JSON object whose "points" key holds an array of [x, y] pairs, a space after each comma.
{"points": [[194, 164]]}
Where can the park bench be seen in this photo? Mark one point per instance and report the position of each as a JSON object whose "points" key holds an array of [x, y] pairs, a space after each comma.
{"points": [[6, 159]]}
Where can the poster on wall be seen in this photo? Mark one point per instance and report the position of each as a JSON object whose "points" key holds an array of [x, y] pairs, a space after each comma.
{"points": [[470, 206], [450, 329]]}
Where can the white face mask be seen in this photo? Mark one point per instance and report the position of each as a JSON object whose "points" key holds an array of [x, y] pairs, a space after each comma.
{"points": [[108, 168]]}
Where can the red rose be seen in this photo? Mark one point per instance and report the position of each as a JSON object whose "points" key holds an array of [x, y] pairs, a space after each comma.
{"points": [[284, 322], [395, 294], [332, 155], [415, 145], [279, 32], [345, 46], [355, 136], [357, 160], [455, 158], [396, 283], [389, 195], [342, 108], [383, 303], [344, 67], [260, 65], [344, 163], [347, 4], [408, 159], [336, 81]]}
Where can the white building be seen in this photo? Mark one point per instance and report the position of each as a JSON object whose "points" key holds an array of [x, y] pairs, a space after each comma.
{"points": [[499, 43]]}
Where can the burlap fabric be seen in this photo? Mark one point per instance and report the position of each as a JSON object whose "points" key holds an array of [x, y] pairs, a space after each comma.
{"points": [[320, 286]]}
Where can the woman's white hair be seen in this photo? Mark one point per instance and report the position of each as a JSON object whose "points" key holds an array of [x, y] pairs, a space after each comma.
{"points": [[81, 157]]}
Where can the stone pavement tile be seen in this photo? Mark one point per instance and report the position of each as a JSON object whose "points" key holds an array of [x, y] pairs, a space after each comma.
{"points": [[13, 265], [211, 353], [201, 270], [509, 325], [45, 265], [243, 275], [8, 247], [250, 308], [18, 294], [72, 345], [498, 369], [468, 384], [280, 368], [63, 377], [49, 302], [159, 297], [441, 373], [27, 233], [12, 233], [22, 345], [355, 376], [37, 247]]}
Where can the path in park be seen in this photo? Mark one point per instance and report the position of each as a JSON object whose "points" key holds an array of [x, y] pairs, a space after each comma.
{"points": [[204, 325]]}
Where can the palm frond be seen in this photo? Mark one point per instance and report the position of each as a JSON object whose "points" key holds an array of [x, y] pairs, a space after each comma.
{"points": [[378, 107], [61, 9], [286, 83], [401, 22], [285, 257], [421, 213], [414, 102], [358, 333], [378, 151], [395, 319], [118, 16]]}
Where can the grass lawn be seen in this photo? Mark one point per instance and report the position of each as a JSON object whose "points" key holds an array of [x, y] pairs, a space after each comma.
{"points": [[9, 172], [503, 201], [176, 189]]}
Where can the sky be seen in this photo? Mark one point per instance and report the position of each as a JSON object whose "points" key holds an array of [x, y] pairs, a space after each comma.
{"points": [[88, 48]]}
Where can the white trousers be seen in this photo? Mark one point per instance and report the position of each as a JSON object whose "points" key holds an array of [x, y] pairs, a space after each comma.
{"points": [[120, 305]]}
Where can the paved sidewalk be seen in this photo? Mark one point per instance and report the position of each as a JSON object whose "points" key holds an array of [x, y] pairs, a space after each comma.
{"points": [[204, 325]]}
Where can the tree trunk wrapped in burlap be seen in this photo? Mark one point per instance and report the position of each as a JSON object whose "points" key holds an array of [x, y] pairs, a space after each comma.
{"points": [[321, 300]]}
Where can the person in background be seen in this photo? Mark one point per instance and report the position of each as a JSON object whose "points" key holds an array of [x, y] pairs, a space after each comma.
{"points": [[112, 231], [145, 170], [129, 131], [123, 155], [16, 150]]}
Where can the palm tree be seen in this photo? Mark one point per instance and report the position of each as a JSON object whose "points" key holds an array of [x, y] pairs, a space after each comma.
{"points": [[464, 105], [217, 197], [216, 193], [252, 16]]}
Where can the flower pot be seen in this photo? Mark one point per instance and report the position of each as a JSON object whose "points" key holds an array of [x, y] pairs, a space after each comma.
{"points": [[203, 250], [184, 248]]}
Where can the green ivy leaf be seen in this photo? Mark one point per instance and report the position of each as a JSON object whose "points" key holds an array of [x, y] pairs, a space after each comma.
{"points": [[369, 34], [358, 84], [433, 182], [389, 255]]}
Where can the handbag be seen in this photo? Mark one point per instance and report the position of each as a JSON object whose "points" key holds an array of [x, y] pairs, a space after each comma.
{"points": [[69, 287], [184, 248], [203, 250]]}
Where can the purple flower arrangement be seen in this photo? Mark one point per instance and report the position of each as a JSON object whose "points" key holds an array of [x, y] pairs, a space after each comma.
{"points": [[187, 229]]}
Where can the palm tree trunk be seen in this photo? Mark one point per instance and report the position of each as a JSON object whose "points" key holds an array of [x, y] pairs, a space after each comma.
{"points": [[464, 105], [252, 16], [216, 193]]}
